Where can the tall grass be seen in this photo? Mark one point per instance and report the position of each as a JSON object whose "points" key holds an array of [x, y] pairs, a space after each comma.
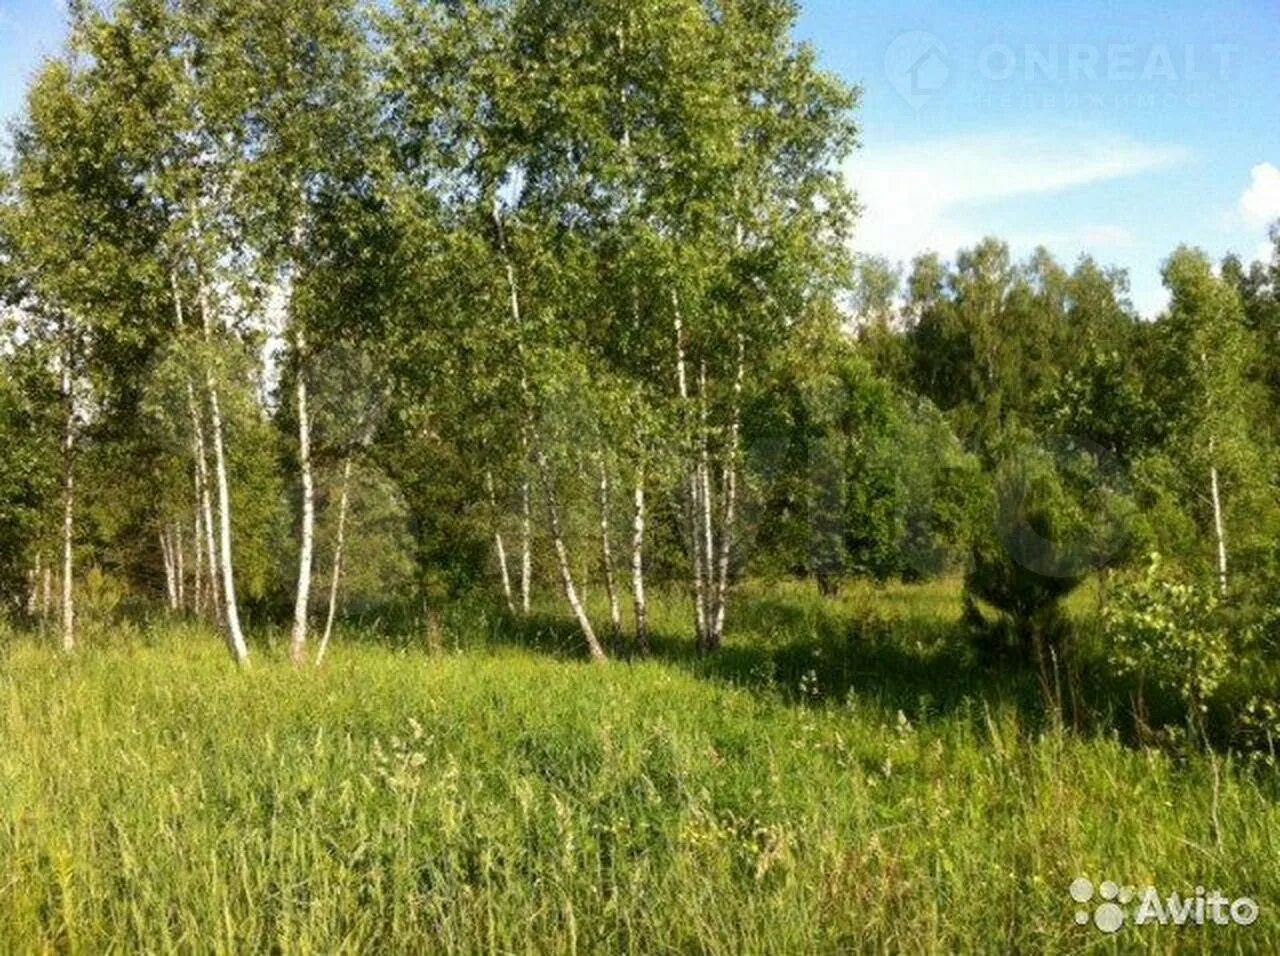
{"points": [[832, 783]]}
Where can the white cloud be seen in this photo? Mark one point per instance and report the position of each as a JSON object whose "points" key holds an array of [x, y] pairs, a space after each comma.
{"points": [[1260, 204], [925, 195], [1265, 252]]}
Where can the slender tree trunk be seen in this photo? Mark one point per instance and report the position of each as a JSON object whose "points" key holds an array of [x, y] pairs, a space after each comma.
{"points": [[339, 552], [199, 452], [707, 508], [197, 572], [637, 564], [639, 516], [526, 546], [703, 557], [181, 570], [205, 494], [562, 558], [33, 597], [500, 545], [170, 585], [726, 551], [730, 501], [695, 492], [553, 505], [606, 552], [68, 506], [1219, 525], [526, 530], [46, 595], [231, 611], [302, 602]]}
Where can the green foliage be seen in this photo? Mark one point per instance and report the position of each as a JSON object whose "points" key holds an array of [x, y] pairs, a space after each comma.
{"points": [[1171, 633], [856, 479], [100, 604], [1032, 547], [379, 551], [1214, 418], [26, 457], [491, 232], [1002, 346]]}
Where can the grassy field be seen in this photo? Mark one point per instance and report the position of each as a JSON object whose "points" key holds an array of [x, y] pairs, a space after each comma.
{"points": [[843, 778]]}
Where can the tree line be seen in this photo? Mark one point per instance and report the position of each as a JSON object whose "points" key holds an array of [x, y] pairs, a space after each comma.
{"points": [[309, 299]]}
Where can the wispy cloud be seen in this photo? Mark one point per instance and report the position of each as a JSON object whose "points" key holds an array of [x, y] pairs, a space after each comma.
{"points": [[933, 194]]}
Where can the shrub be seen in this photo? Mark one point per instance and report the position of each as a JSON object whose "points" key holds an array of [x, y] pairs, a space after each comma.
{"points": [[1170, 633], [1029, 551]]}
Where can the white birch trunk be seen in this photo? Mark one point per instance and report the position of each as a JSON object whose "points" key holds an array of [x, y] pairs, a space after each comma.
{"points": [[606, 552], [562, 559], [500, 546], [68, 507], [526, 529], [180, 570], [231, 610], [695, 494], [170, 585], [637, 563], [197, 572], [306, 551], [552, 502], [639, 516], [553, 505], [199, 452], [339, 552], [730, 501], [1219, 525], [46, 596], [707, 505], [526, 546], [33, 597], [726, 549]]}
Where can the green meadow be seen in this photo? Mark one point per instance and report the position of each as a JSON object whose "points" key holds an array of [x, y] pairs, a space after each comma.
{"points": [[846, 776]]}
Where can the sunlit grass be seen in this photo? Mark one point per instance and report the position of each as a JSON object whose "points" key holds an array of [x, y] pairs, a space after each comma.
{"points": [[838, 780]]}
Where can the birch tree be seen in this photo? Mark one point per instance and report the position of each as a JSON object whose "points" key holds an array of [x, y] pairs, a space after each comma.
{"points": [[295, 77], [60, 238], [460, 110], [151, 66], [1208, 353], [747, 221]]}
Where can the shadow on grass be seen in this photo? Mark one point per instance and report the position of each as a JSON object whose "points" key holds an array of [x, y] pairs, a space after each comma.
{"points": [[899, 650], [809, 652], [924, 667]]}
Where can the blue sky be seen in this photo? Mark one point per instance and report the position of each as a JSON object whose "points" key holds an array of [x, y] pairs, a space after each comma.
{"points": [[29, 30], [1122, 127]]}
